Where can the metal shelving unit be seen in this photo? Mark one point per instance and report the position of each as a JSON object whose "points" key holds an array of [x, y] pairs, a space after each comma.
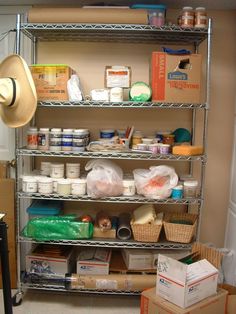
{"points": [[147, 34]]}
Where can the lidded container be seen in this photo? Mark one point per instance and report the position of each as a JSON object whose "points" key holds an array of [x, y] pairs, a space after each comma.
{"points": [[136, 138], [81, 138], [64, 187], [128, 187], [55, 139], [78, 186], [190, 189], [43, 139], [67, 139], [187, 17], [72, 170], [29, 184], [45, 185], [32, 138], [57, 170], [200, 17], [156, 13], [45, 168]]}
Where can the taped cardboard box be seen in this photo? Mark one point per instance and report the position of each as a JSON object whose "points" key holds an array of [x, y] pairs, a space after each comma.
{"points": [[231, 298], [184, 284], [51, 80], [176, 78], [153, 304]]}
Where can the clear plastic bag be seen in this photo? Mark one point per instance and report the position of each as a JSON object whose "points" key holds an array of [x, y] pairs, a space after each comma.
{"points": [[105, 179], [74, 89], [157, 182]]}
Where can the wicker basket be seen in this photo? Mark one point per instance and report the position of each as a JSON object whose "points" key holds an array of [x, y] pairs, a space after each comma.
{"points": [[149, 232], [180, 232]]}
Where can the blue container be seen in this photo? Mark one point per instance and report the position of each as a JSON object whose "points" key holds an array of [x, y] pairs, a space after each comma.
{"points": [[42, 208], [107, 133], [177, 192]]}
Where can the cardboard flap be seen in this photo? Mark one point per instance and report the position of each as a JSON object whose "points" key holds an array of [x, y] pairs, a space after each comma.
{"points": [[200, 270], [172, 269]]}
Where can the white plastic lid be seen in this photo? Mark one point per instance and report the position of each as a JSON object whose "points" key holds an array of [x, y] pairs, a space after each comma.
{"points": [[79, 180], [200, 9], [32, 129], [45, 163], [44, 129], [68, 130], [107, 131], [79, 131], [57, 165], [55, 130], [137, 133], [29, 179], [187, 8], [64, 181], [192, 183], [128, 181], [45, 180], [77, 165], [178, 187]]}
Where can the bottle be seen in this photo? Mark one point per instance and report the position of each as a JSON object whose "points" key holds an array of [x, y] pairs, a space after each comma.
{"points": [[200, 17], [190, 189], [43, 139], [187, 15]]}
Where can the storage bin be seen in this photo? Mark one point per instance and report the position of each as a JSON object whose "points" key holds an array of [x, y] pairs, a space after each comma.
{"points": [[180, 232], [149, 232]]}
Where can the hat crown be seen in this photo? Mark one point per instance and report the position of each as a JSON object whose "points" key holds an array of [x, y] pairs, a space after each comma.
{"points": [[7, 90]]}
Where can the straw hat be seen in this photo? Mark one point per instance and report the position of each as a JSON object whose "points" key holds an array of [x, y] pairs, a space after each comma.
{"points": [[18, 98]]}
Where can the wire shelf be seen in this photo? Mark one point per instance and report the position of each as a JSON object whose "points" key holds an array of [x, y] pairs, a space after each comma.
{"points": [[118, 199], [114, 243], [125, 33], [124, 104], [109, 155]]}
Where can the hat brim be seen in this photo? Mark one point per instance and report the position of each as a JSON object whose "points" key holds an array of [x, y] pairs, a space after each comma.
{"points": [[23, 111]]}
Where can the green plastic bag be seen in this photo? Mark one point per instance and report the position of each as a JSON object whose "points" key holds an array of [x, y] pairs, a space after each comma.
{"points": [[57, 228]]}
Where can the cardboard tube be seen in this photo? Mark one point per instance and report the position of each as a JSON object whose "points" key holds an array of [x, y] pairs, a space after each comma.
{"points": [[124, 230], [87, 15], [112, 282]]}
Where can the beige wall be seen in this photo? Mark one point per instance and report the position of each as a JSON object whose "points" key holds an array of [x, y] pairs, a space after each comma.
{"points": [[89, 59]]}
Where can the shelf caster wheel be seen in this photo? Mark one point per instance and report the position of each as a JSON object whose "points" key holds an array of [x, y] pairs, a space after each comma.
{"points": [[17, 299]]}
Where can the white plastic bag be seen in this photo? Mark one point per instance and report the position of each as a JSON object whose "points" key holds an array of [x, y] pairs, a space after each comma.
{"points": [[105, 178], [157, 182], [73, 88]]}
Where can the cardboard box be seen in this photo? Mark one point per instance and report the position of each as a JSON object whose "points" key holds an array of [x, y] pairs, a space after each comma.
{"points": [[107, 234], [50, 259], [7, 206], [117, 76], [231, 298], [176, 78], [184, 284], [153, 304], [51, 80], [94, 261]]}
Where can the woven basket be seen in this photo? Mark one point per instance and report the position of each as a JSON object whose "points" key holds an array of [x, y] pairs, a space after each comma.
{"points": [[149, 232], [180, 232]]}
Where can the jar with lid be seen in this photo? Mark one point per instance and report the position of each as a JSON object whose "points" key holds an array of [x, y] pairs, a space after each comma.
{"points": [[67, 138], [190, 189], [32, 138], [43, 139], [136, 138], [55, 139], [81, 138], [200, 17], [187, 17], [156, 17]]}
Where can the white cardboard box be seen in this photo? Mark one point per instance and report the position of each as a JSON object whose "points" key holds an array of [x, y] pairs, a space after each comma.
{"points": [[93, 261], [184, 284]]}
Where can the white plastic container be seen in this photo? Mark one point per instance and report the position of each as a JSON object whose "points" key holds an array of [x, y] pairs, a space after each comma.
{"points": [[54, 183], [55, 139], [57, 170], [81, 138], [43, 139], [128, 187], [45, 168], [190, 189], [72, 170], [32, 138], [29, 184], [64, 187], [67, 139], [116, 94], [45, 186], [78, 186]]}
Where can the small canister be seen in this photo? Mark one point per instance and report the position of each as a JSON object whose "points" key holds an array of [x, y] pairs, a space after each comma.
{"points": [[78, 186], [55, 139], [116, 94], [81, 138], [154, 148], [200, 17], [45, 168], [45, 186], [43, 139], [32, 138], [57, 170], [64, 187], [177, 192], [190, 189], [67, 139], [29, 184], [136, 139], [54, 183], [128, 187], [72, 170], [164, 149]]}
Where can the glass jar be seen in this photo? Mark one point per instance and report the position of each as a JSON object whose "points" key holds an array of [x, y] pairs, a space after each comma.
{"points": [[200, 17], [187, 17], [190, 189], [136, 138]]}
